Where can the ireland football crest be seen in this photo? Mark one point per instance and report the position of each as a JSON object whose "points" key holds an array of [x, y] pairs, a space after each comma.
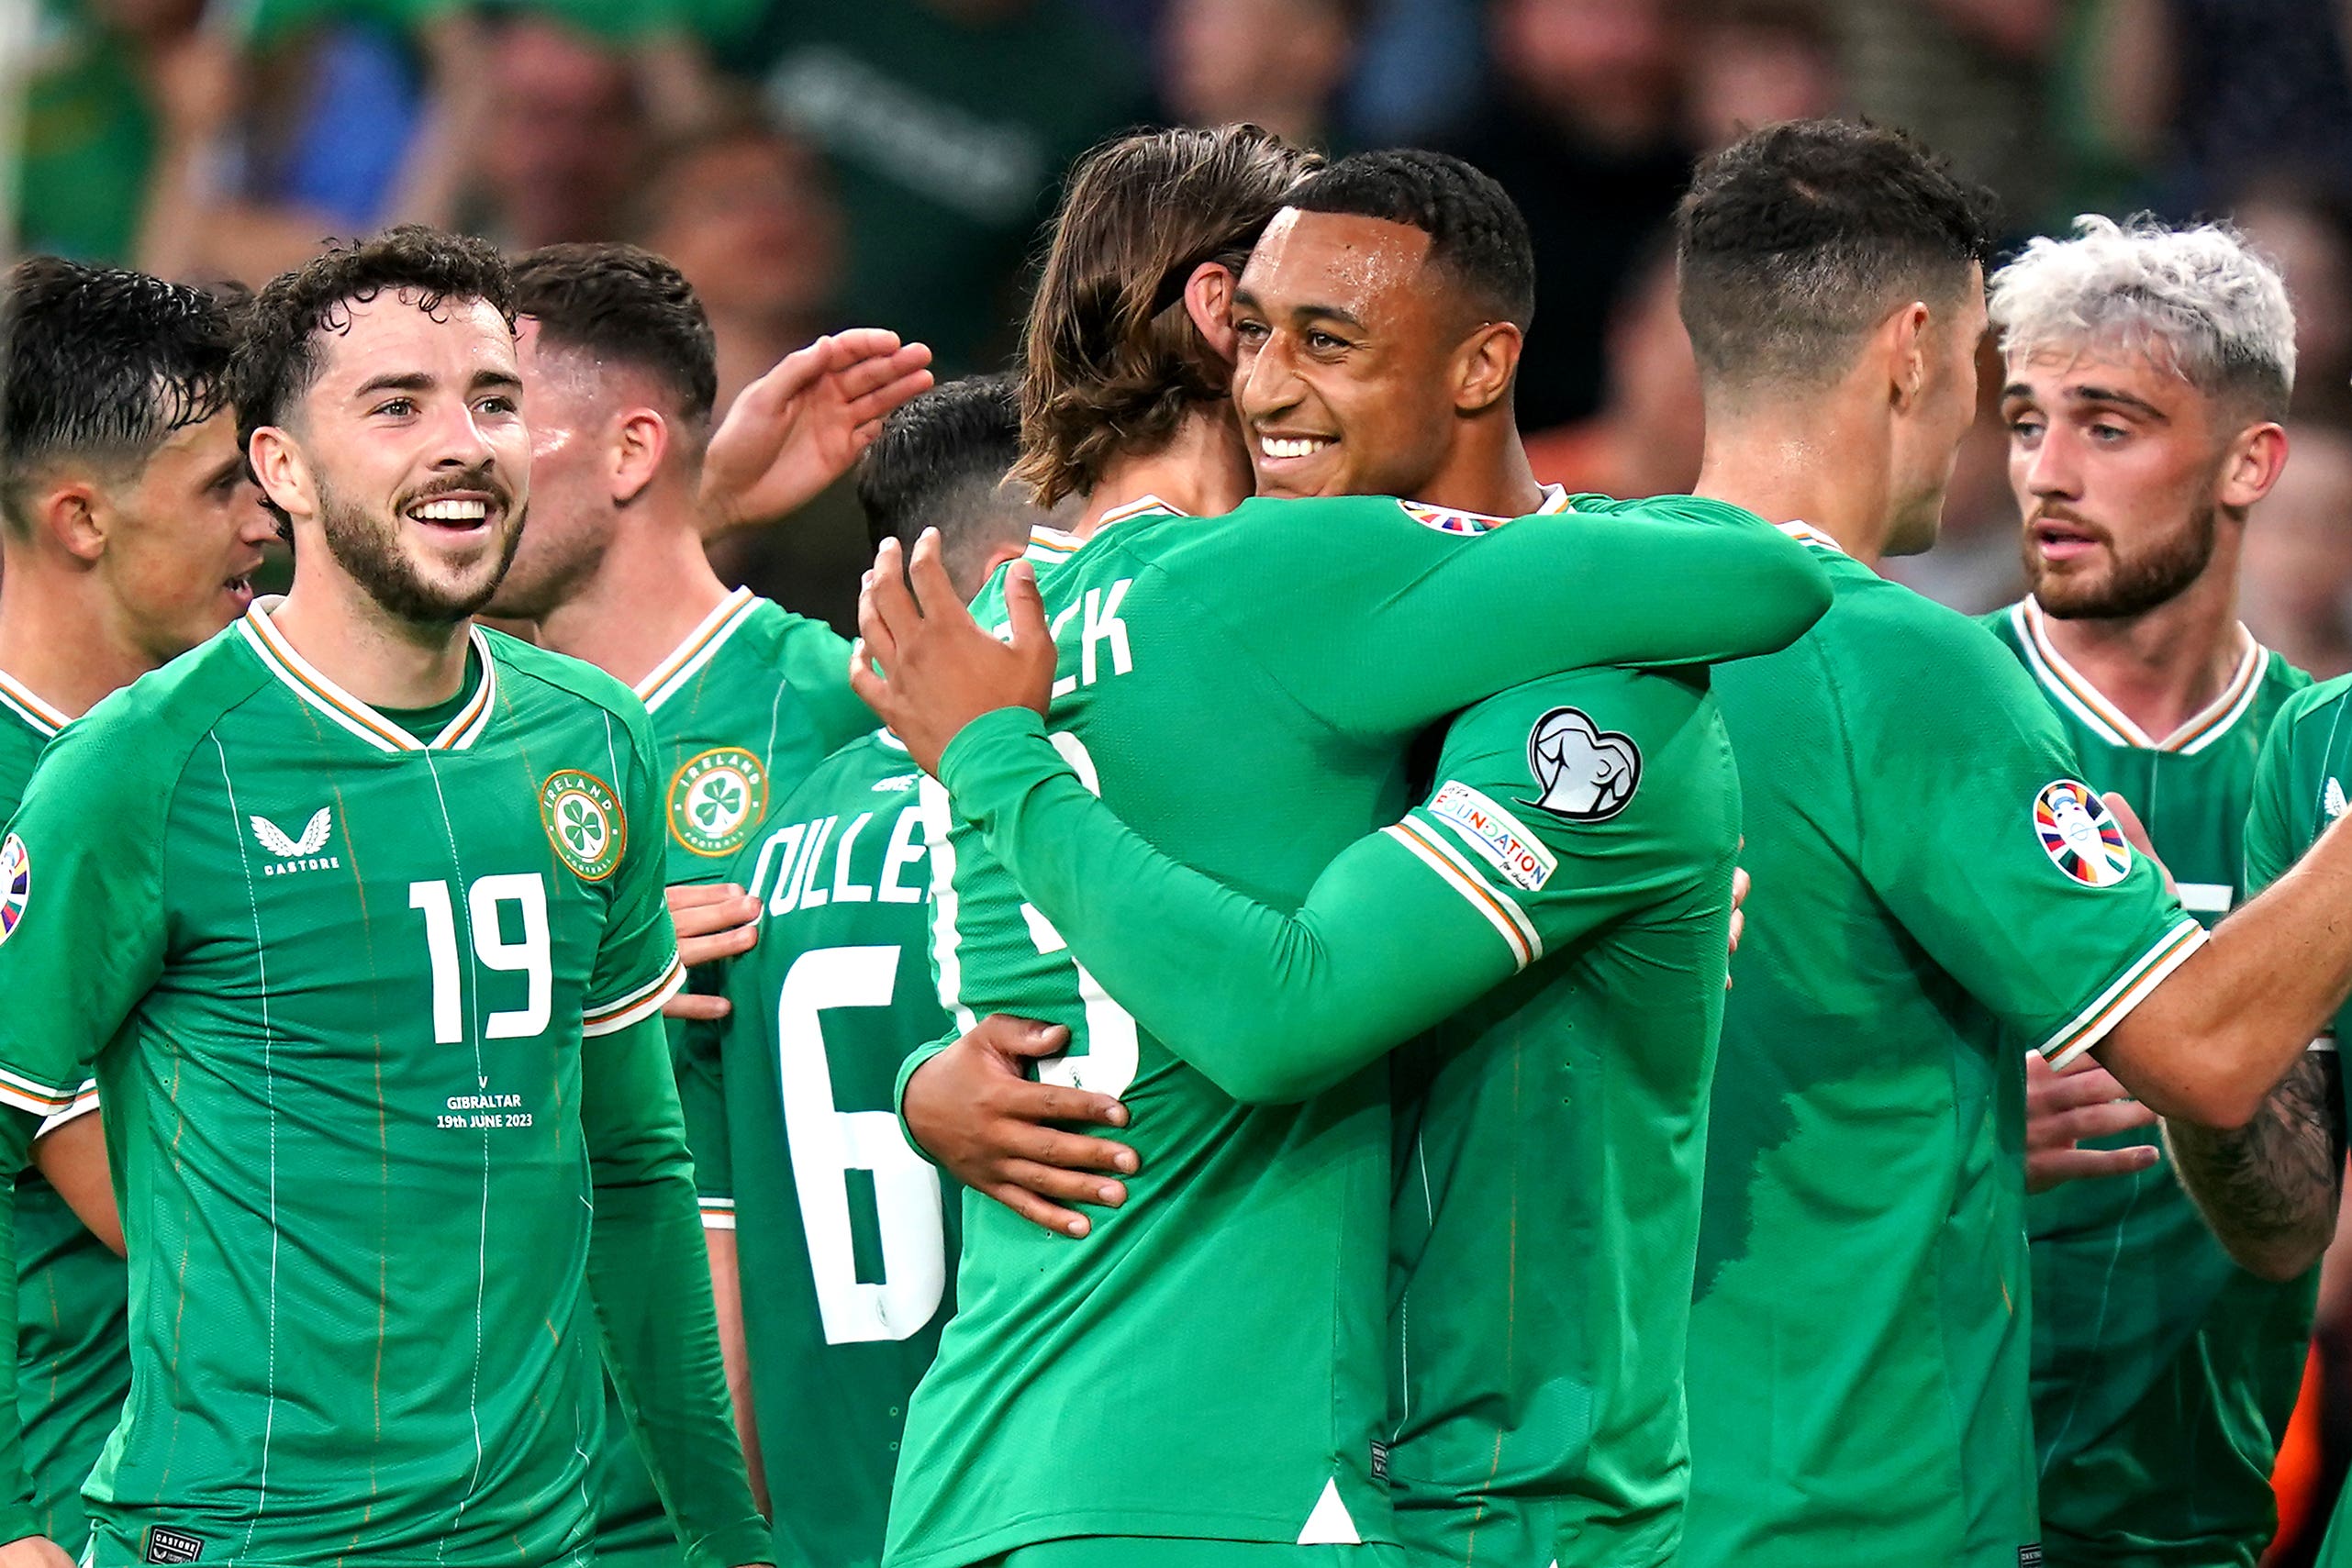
{"points": [[583, 822], [15, 885], [717, 799], [2080, 835]]}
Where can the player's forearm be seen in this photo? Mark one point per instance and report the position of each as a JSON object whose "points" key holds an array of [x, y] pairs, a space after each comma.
{"points": [[649, 1273], [2270, 1189], [1270, 1007], [734, 1349], [2210, 1043]]}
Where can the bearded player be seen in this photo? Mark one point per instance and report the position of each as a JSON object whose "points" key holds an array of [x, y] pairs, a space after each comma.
{"points": [[130, 531], [2148, 370], [376, 1021]]}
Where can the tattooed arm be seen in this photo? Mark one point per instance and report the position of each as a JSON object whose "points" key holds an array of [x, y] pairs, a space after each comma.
{"points": [[2270, 1189]]}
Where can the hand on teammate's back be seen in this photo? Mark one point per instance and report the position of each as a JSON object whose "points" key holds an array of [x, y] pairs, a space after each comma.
{"points": [[939, 670], [714, 921], [798, 428], [974, 1109]]}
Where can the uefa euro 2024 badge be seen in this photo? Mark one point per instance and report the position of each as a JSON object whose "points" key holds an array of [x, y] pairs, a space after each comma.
{"points": [[2080, 835]]}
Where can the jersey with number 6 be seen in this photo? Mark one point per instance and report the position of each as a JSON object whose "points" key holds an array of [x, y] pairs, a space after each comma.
{"points": [[845, 1240], [1936, 895], [1235, 1304], [2302, 786], [338, 975], [742, 709], [72, 1352], [2164, 1374]]}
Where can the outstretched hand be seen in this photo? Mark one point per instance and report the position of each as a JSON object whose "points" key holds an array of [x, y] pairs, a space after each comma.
{"points": [[939, 670], [976, 1110], [798, 428], [2063, 1108]]}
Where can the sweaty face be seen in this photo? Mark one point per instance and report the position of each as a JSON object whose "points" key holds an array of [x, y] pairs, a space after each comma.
{"points": [[187, 538], [420, 462], [570, 504], [2115, 460], [1345, 340]]}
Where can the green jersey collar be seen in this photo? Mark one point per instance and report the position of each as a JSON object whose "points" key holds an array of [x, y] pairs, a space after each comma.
{"points": [[44, 718], [346, 711], [687, 658], [1805, 533], [2074, 692]]}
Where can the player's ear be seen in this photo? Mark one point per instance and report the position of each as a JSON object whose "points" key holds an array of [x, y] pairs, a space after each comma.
{"points": [[1485, 365], [640, 440], [2251, 465], [284, 474], [75, 517], [1905, 337], [1208, 300]]}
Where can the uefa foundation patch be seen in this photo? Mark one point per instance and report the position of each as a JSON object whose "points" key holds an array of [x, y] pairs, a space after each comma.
{"points": [[717, 799], [584, 821], [2080, 835]]}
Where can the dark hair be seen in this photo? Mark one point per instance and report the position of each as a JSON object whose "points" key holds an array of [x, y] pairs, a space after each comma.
{"points": [[1797, 238], [1113, 360], [102, 365], [278, 360], [623, 303], [1477, 235], [941, 462]]}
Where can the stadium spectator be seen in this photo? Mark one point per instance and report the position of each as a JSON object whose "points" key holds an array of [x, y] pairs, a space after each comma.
{"points": [[1645, 439], [561, 139], [1278, 63], [1583, 128], [2297, 573], [1754, 62], [948, 124], [745, 212]]}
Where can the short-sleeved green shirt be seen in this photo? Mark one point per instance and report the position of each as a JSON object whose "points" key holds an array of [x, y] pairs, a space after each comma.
{"points": [[1935, 895], [845, 1237], [363, 1006], [742, 708], [73, 1350], [2299, 788], [2164, 1374]]}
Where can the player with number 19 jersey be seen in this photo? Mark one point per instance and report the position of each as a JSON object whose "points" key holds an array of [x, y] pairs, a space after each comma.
{"points": [[72, 1347], [1237, 1299], [2164, 1374], [845, 1236], [370, 996]]}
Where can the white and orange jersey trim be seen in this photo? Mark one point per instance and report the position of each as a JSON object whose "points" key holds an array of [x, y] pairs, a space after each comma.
{"points": [[45, 719], [348, 712], [2073, 690], [637, 1006], [686, 659], [718, 1213], [2130, 988], [1805, 533], [1456, 870], [34, 1097], [85, 1100]]}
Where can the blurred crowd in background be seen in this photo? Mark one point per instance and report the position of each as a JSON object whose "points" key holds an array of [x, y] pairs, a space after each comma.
{"points": [[815, 163]]}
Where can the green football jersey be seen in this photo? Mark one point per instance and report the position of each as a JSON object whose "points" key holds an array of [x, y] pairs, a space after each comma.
{"points": [[371, 1016], [2299, 788], [845, 1242], [2164, 1374], [742, 709], [73, 1349], [1237, 1297], [1935, 895]]}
